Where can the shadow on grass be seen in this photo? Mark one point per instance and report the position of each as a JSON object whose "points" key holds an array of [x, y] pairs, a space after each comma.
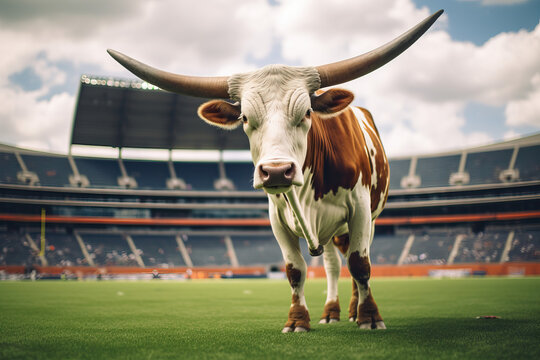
{"points": [[440, 337]]}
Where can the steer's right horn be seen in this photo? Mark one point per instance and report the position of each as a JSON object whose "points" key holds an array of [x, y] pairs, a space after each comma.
{"points": [[211, 87], [350, 69]]}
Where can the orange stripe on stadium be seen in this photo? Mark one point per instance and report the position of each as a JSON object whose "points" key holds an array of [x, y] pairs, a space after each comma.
{"points": [[413, 220]]}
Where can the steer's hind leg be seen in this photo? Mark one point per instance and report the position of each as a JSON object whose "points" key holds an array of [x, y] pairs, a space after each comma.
{"points": [[367, 316], [342, 243], [332, 266]]}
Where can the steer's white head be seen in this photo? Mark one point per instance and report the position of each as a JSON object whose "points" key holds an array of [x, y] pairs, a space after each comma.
{"points": [[274, 106], [274, 103]]}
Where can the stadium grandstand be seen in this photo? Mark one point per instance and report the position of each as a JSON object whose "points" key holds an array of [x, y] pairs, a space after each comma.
{"points": [[475, 209]]}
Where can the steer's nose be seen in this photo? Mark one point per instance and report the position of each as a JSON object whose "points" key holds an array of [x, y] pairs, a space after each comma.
{"points": [[277, 174]]}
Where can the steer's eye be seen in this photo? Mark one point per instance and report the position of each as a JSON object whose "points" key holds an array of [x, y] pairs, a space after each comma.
{"points": [[308, 113], [244, 119]]}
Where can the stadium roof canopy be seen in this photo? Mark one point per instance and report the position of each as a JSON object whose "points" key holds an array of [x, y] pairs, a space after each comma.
{"points": [[135, 114]]}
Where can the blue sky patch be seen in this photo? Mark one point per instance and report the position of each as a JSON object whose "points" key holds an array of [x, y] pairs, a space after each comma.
{"points": [[475, 22], [27, 79]]}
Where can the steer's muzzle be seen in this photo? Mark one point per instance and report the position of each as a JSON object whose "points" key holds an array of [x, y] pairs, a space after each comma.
{"points": [[277, 175]]}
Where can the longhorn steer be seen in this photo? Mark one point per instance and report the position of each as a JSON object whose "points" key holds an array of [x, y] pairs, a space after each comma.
{"points": [[320, 161]]}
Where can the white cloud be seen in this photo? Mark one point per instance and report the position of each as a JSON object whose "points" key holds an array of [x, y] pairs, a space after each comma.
{"points": [[191, 37], [39, 124], [526, 111], [510, 135], [418, 100]]}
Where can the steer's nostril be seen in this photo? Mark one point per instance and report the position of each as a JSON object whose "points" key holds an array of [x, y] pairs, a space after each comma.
{"points": [[289, 173]]}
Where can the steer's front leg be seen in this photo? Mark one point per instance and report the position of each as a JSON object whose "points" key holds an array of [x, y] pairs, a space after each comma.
{"points": [[298, 320], [296, 269]]}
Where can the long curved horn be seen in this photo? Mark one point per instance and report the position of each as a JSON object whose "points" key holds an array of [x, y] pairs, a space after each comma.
{"points": [[212, 87], [350, 69]]}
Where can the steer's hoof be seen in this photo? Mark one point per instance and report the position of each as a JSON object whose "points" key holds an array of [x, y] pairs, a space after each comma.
{"points": [[380, 325], [377, 325], [316, 252], [288, 329], [352, 319], [328, 321]]}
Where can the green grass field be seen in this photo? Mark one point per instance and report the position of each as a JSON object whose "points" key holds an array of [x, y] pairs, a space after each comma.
{"points": [[234, 319]]}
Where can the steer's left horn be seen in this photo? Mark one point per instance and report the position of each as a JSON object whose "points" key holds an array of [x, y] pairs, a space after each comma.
{"points": [[350, 69], [211, 87]]}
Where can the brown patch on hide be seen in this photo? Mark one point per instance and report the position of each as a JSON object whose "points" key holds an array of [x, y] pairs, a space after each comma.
{"points": [[298, 315], [353, 305], [293, 275], [342, 243], [336, 153], [368, 312], [360, 268], [331, 310], [379, 164]]}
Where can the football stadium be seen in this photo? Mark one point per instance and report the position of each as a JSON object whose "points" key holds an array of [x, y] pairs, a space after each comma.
{"points": [[473, 211], [459, 239], [237, 202]]}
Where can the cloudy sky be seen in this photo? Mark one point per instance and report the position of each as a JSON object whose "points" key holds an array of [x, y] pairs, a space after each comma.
{"points": [[471, 80]]}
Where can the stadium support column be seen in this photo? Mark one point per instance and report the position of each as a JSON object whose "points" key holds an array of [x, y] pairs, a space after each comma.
{"points": [[174, 182], [461, 177], [231, 251], [455, 248], [34, 247], [125, 180], [183, 251], [406, 249], [25, 176], [87, 256], [510, 174], [507, 247], [411, 180], [76, 179], [134, 250], [223, 183]]}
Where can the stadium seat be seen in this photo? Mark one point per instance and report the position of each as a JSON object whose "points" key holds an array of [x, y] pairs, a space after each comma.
{"points": [[485, 167], [100, 172], [51, 170], [528, 164]]}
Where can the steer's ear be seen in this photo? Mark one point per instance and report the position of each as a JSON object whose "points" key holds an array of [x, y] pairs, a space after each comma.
{"points": [[331, 101], [220, 113]]}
